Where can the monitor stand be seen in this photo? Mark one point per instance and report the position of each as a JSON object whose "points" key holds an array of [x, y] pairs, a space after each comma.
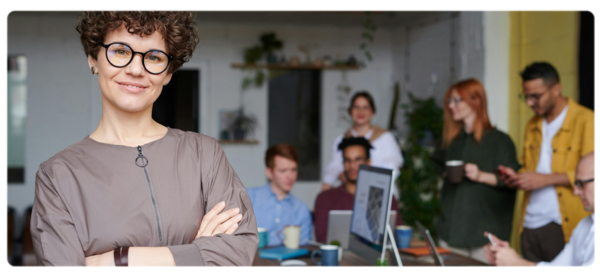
{"points": [[371, 254]]}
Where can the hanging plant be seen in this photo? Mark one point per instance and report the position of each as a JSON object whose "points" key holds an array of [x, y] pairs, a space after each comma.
{"points": [[269, 44], [368, 35]]}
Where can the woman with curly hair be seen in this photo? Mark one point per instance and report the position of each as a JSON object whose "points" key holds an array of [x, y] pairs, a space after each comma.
{"points": [[135, 192]]}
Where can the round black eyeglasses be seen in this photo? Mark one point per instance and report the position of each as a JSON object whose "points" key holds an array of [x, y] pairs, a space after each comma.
{"points": [[120, 55]]}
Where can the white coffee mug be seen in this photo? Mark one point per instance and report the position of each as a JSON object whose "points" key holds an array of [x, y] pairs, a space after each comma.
{"points": [[292, 236]]}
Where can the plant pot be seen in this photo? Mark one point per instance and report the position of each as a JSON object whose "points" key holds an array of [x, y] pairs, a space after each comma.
{"points": [[271, 58], [239, 134], [224, 135]]}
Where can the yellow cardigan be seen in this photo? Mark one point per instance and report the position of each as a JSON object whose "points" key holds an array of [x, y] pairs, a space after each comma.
{"points": [[572, 141]]}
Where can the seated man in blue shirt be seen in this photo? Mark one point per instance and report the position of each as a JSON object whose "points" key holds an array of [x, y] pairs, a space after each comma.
{"points": [[274, 206]]}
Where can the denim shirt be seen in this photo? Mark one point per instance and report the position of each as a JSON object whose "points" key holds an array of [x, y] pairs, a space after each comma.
{"points": [[274, 214]]}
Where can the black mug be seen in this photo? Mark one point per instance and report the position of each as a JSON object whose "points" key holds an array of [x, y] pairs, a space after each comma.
{"points": [[455, 170]]}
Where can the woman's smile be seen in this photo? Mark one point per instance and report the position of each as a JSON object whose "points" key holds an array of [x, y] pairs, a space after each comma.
{"points": [[132, 87]]}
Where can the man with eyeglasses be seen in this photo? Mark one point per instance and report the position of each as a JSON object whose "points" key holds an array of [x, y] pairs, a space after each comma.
{"points": [[580, 249], [355, 151], [560, 133]]}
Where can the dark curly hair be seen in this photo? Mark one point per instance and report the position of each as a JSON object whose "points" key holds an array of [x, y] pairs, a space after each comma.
{"points": [[356, 141], [177, 28]]}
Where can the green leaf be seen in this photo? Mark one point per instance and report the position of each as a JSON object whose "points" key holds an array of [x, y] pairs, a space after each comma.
{"points": [[363, 46], [259, 78], [246, 83], [369, 57]]}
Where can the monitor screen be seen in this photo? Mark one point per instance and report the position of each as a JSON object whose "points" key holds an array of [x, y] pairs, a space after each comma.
{"points": [[371, 203]]}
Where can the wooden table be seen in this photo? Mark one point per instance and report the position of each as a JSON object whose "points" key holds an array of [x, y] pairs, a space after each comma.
{"points": [[351, 259]]}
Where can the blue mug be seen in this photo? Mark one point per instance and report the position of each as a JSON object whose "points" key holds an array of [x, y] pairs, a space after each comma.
{"points": [[403, 236], [329, 255], [263, 238]]}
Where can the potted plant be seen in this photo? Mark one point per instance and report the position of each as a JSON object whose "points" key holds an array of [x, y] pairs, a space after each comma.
{"points": [[243, 125], [419, 184], [270, 43]]}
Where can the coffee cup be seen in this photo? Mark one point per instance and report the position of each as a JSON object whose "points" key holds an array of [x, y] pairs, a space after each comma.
{"points": [[403, 236], [291, 236], [455, 170], [263, 237], [329, 255]]}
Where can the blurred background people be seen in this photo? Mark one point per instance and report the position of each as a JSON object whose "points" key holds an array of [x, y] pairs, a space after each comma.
{"points": [[559, 134], [355, 151], [274, 205], [385, 151], [479, 202], [579, 251]]}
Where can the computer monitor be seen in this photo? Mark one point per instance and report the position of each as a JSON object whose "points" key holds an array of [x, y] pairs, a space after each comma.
{"points": [[372, 203]]}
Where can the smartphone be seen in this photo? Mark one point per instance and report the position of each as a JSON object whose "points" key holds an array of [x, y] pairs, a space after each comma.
{"points": [[489, 235], [499, 172]]}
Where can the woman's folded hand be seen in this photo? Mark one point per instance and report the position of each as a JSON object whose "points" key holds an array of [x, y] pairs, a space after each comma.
{"points": [[215, 221]]}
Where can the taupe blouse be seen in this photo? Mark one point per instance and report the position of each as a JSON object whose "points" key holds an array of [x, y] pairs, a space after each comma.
{"points": [[93, 197]]}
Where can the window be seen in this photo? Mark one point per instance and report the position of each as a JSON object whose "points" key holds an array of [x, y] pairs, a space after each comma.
{"points": [[17, 114], [294, 117], [177, 106]]}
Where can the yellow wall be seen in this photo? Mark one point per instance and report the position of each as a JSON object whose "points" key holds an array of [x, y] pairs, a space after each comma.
{"points": [[539, 36]]}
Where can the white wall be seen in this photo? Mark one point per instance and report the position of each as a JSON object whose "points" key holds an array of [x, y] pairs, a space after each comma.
{"points": [[497, 57], [424, 59]]}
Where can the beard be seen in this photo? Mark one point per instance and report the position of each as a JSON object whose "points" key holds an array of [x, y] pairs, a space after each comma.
{"points": [[348, 179]]}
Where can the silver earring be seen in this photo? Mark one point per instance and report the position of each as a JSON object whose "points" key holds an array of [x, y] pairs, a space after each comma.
{"points": [[93, 71]]}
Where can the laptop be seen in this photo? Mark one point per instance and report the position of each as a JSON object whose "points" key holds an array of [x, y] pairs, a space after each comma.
{"points": [[430, 244], [338, 226], [439, 261]]}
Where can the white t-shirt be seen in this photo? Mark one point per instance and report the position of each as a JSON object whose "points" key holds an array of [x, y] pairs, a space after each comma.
{"points": [[543, 203], [580, 249], [385, 153]]}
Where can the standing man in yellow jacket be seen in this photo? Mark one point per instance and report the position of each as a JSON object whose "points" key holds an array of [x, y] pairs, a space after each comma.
{"points": [[560, 133]]}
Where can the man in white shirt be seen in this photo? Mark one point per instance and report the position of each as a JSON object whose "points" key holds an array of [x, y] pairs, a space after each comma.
{"points": [[580, 249]]}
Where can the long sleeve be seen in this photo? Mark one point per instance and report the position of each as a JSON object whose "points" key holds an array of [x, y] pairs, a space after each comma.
{"points": [[564, 258], [579, 251], [392, 157], [53, 231], [587, 144], [321, 216], [220, 183], [305, 226], [336, 164], [505, 155]]}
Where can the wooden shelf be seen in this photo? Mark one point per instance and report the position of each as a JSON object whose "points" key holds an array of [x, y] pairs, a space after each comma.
{"points": [[238, 142], [292, 67]]}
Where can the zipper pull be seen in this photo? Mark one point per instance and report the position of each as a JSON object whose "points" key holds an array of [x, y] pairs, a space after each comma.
{"points": [[141, 160]]}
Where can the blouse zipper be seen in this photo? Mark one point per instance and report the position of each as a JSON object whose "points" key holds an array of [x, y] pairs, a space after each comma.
{"points": [[142, 162]]}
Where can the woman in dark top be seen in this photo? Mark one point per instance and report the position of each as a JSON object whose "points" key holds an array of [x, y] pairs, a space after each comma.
{"points": [[480, 201]]}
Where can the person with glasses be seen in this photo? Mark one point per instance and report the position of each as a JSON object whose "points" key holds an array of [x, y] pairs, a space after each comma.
{"points": [[579, 251], [134, 192], [559, 134], [480, 201], [386, 151], [354, 152]]}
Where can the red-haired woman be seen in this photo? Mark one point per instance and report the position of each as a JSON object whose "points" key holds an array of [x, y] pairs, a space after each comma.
{"points": [[479, 202]]}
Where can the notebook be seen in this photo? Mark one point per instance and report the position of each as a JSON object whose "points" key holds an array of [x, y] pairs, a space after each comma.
{"points": [[422, 251], [281, 253]]}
